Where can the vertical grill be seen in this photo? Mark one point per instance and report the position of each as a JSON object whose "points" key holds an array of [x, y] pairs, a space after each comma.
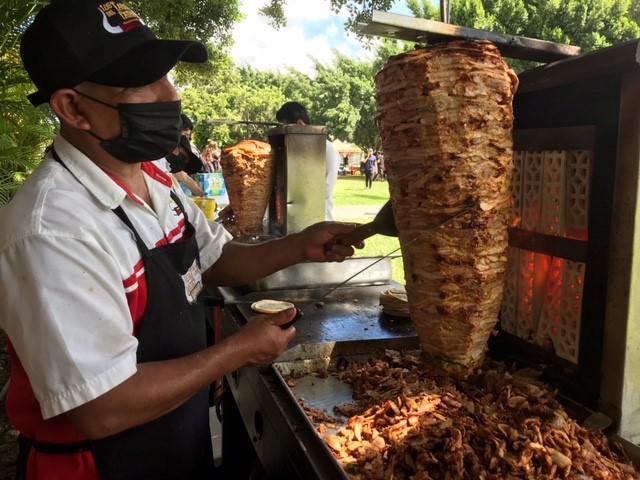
{"points": [[545, 286], [568, 307]]}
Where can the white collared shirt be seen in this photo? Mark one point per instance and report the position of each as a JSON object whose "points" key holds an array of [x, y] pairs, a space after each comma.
{"points": [[71, 277]]}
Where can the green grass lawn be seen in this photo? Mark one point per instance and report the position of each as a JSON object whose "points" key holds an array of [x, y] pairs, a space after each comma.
{"points": [[349, 191]]}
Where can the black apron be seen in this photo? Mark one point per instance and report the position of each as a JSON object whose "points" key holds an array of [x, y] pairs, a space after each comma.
{"points": [[177, 445]]}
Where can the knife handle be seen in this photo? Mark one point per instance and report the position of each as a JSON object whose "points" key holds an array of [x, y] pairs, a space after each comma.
{"points": [[284, 326], [356, 235]]}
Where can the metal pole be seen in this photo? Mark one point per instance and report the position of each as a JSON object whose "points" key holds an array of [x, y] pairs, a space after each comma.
{"points": [[444, 11]]}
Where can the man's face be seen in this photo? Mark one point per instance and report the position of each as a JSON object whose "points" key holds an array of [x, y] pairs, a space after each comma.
{"points": [[105, 121]]}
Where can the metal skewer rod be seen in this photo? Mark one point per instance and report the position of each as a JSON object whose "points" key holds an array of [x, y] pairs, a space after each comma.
{"points": [[444, 11]]}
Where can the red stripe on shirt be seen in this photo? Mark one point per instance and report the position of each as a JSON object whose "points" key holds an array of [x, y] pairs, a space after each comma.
{"points": [[157, 173], [136, 291], [174, 236]]}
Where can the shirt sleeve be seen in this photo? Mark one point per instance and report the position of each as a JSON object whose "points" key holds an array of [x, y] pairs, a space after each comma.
{"points": [[72, 332]]}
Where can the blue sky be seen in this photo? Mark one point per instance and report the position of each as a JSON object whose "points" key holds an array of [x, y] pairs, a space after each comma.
{"points": [[313, 30]]}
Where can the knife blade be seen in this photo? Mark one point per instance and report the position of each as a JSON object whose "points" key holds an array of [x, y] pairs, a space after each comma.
{"points": [[344, 282]]}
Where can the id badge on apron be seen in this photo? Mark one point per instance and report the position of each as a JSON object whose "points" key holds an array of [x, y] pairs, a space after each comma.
{"points": [[192, 282]]}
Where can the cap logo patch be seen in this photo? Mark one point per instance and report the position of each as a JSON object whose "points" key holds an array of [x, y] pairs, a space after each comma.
{"points": [[118, 18]]}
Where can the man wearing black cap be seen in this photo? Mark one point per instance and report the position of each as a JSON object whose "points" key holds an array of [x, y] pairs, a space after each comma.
{"points": [[294, 112], [183, 162], [102, 261]]}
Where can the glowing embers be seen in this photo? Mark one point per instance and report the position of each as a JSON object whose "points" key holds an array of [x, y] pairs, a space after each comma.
{"points": [[543, 293], [543, 301]]}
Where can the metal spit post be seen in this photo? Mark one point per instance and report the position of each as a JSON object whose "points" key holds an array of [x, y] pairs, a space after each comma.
{"points": [[444, 11], [298, 196]]}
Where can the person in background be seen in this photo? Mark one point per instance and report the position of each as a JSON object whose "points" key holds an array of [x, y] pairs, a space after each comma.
{"points": [[379, 169], [103, 261], [294, 112], [182, 162], [368, 167], [187, 131], [187, 125], [211, 157], [382, 171]]}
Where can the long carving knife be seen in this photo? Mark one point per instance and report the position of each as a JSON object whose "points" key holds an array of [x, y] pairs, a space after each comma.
{"points": [[344, 282]]}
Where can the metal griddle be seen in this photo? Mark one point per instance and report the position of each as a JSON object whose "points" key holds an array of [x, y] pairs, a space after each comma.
{"points": [[420, 30], [257, 401], [284, 438], [350, 314]]}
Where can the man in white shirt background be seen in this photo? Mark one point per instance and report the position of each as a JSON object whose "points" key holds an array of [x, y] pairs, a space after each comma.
{"points": [[294, 112]]}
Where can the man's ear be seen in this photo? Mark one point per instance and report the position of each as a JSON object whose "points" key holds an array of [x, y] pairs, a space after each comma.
{"points": [[64, 103]]}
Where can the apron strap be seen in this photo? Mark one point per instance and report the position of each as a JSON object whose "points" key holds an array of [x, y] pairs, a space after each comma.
{"points": [[123, 216], [23, 454], [119, 211], [125, 219], [26, 443]]}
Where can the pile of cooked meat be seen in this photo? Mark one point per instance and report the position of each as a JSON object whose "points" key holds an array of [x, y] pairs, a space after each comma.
{"points": [[248, 170], [499, 423], [445, 117]]}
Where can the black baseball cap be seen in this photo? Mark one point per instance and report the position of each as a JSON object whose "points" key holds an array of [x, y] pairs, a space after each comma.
{"points": [[105, 42]]}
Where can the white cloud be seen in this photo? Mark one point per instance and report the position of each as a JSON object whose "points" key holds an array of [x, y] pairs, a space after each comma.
{"points": [[312, 31]]}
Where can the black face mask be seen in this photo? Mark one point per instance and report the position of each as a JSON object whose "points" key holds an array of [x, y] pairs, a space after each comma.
{"points": [[177, 163], [150, 131]]}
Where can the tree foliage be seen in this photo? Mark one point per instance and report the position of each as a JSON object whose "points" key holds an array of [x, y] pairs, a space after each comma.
{"points": [[589, 24], [208, 21], [229, 103], [227, 108], [345, 100], [340, 96], [24, 131], [359, 10]]}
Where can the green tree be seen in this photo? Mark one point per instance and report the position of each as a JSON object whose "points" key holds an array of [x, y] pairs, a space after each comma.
{"points": [[590, 24], [24, 131], [339, 95], [359, 10], [344, 100], [240, 95], [208, 21]]}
